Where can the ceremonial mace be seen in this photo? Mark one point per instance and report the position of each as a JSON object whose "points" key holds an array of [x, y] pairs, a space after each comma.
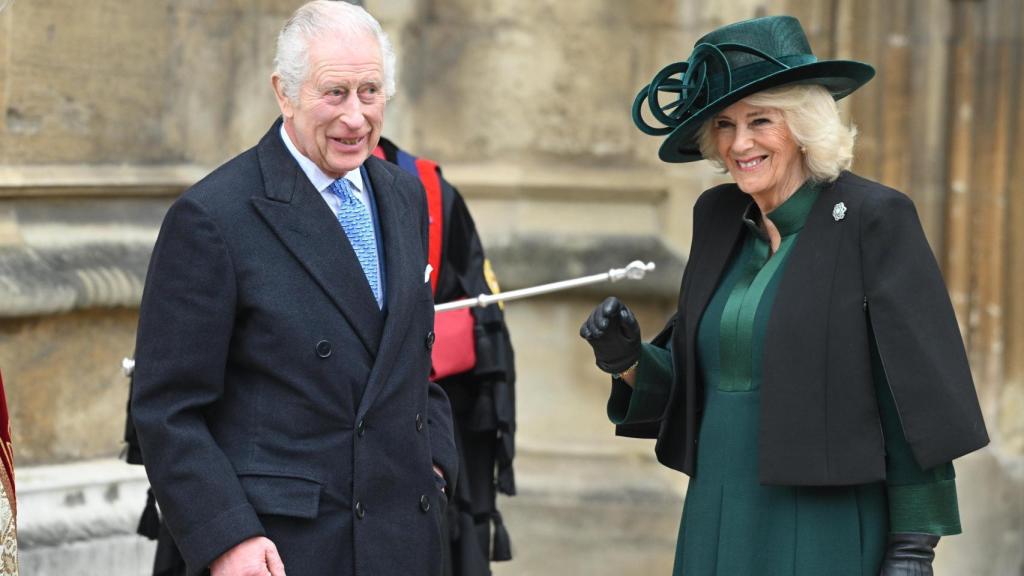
{"points": [[635, 270]]}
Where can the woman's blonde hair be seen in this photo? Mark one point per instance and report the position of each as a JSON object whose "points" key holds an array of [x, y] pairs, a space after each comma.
{"points": [[813, 118]]}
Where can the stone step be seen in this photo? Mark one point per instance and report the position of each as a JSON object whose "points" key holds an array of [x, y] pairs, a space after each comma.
{"points": [[594, 514], [579, 510], [576, 513], [79, 519]]}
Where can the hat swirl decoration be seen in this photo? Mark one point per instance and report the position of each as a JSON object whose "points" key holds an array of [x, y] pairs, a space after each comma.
{"points": [[729, 64], [692, 88]]}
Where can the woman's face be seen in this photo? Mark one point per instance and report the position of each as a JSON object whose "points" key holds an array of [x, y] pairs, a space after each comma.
{"points": [[759, 152]]}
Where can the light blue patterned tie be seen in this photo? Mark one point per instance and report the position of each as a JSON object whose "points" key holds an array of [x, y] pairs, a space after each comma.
{"points": [[355, 219]]}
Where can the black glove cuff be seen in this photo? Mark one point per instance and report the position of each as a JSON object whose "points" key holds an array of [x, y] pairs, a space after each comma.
{"points": [[620, 365], [909, 554]]}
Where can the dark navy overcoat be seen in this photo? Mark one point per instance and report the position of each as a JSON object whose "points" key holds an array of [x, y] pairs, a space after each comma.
{"points": [[272, 396]]}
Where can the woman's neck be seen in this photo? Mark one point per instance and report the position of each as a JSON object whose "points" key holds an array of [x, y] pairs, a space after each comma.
{"points": [[771, 199]]}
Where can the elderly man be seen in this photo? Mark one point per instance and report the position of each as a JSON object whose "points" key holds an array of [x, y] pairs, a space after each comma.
{"points": [[281, 395]]}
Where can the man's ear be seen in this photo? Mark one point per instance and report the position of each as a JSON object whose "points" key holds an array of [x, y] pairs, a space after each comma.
{"points": [[283, 102]]}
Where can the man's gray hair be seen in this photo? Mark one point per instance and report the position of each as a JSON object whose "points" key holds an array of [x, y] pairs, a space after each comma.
{"points": [[320, 19]]}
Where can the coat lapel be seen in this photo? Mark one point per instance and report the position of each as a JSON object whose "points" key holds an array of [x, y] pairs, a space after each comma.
{"points": [[722, 236], [300, 218], [404, 272]]}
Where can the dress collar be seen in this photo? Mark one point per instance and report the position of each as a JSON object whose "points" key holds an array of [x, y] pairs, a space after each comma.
{"points": [[789, 217]]}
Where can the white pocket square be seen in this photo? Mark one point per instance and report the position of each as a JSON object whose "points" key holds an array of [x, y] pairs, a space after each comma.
{"points": [[426, 273]]}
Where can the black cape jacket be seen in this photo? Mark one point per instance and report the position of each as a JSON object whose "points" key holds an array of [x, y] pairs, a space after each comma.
{"points": [[870, 270]]}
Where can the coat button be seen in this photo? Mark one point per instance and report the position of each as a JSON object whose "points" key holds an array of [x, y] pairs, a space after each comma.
{"points": [[323, 348], [419, 423], [360, 511], [430, 340], [424, 503], [361, 428]]}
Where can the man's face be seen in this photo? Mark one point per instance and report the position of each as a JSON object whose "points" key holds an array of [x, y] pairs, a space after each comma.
{"points": [[337, 117]]}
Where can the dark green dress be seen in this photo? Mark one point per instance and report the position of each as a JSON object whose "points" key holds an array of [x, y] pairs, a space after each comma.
{"points": [[734, 526]]}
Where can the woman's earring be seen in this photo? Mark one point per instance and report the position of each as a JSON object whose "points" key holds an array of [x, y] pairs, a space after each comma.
{"points": [[803, 150]]}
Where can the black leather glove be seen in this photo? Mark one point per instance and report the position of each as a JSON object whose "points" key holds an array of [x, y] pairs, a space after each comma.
{"points": [[613, 333], [909, 554]]}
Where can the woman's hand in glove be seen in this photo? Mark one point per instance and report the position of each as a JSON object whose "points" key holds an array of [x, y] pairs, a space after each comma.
{"points": [[909, 554], [613, 333]]}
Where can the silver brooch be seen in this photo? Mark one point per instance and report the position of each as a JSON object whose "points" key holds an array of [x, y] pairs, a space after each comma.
{"points": [[839, 211]]}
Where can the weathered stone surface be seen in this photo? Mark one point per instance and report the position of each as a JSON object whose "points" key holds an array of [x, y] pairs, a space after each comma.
{"points": [[535, 94], [63, 503], [1009, 423], [571, 257], [223, 58], [153, 82], [561, 394], [5, 39], [561, 200], [36, 282], [95, 182], [497, 98], [72, 97], [9, 234], [64, 385], [66, 254], [552, 12], [80, 519], [594, 515], [113, 556], [990, 489]]}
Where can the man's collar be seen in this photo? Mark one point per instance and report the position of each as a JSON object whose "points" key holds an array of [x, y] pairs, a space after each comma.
{"points": [[316, 176]]}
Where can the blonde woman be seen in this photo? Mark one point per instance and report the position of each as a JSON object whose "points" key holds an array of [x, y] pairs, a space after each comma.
{"points": [[813, 382]]}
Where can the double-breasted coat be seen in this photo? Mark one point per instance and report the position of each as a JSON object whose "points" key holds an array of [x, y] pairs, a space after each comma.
{"points": [[861, 266], [272, 396]]}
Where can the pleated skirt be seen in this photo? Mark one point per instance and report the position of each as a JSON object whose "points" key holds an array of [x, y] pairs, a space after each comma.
{"points": [[734, 526]]}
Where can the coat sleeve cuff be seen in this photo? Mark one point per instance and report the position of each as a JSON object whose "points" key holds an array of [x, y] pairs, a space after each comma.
{"points": [[206, 543], [646, 401], [929, 508]]}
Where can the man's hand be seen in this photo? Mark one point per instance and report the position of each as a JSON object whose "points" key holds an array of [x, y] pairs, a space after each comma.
{"points": [[613, 333], [253, 557]]}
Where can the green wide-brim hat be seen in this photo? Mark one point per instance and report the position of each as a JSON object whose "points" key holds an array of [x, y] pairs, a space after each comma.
{"points": [[730, 64]]}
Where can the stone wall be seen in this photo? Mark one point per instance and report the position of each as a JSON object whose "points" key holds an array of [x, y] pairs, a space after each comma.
{"points": [[109, 109]]}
